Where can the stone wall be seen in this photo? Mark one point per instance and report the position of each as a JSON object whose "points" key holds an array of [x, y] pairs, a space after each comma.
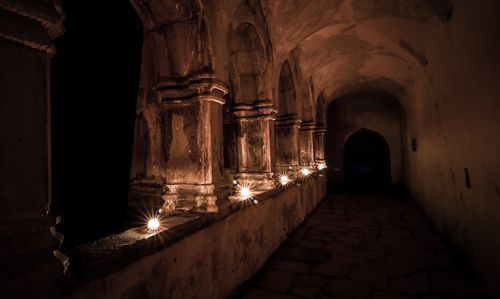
{"points": [[454, 119], [208, 263]]}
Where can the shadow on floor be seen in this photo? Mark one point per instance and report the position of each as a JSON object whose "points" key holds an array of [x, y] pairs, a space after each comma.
{"points": [[366, 246]]}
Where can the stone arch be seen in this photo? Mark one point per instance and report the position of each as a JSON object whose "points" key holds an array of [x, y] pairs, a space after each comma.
{"points": [[371, 109], [286, 97], [176, 33], [248, 64]]}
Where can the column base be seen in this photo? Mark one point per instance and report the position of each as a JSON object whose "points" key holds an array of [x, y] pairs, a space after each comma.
{"points": [[291, 170], [147, 198], [259, 182], [190, 198], [320, 164]]}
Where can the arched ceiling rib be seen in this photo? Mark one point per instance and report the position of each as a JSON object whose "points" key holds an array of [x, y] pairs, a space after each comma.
{"points": [[292, 21], [344, 42], [334, 55]]}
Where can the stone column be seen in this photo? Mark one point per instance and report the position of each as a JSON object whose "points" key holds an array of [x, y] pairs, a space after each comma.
{"points": [[183, 148], [306, 143], [230, 141], [255, 136], [319, 144], [287, 143], [27, 236]]}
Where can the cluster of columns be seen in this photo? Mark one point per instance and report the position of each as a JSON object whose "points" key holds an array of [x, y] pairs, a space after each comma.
{"points": [[178, 154], [184, 171], [299, 144], [178, 151], [269, 144]]}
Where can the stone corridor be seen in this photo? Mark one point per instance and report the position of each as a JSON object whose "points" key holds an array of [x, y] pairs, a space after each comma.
{"points": [[355, 246]]}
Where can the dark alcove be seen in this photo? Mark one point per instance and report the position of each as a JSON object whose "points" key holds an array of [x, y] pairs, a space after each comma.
{"points": [[366, 161], [95, 79]]}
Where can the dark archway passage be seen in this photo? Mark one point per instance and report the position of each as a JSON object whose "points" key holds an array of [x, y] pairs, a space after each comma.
{"points": [[95, 80], [366, 161]]}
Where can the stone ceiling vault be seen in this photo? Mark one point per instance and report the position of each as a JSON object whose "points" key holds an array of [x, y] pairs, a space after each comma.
{"points": [[345, 45]]}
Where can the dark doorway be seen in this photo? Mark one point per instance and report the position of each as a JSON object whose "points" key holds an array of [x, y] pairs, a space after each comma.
{"points": [[95, 81], [366, 162]]}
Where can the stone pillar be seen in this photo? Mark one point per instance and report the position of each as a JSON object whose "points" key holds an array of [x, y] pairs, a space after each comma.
{"points": [[306, 143], [230, 141], [287, 143], [184, 147], [27, 236], [319, 144], [255, 133]]}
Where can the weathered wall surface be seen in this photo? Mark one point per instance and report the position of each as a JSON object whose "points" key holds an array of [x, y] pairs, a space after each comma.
{"points": [[26, 241], [455, 120], [375, 112], [213, 261]]}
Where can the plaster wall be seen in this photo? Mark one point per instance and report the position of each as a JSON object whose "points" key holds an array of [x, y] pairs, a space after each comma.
{"points": [[214, 261], [375, 112], [454, 117]]}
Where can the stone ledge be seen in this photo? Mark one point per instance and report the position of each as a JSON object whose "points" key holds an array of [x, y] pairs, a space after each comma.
{"points": [[109, 257]]}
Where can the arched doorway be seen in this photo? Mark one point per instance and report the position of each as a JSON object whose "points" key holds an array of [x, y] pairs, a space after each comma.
{"points": [[366, 161]]}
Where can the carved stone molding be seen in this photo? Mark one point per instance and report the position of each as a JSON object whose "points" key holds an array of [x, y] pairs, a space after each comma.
{"points": [[263, 109], [288, 120], [31, 23], [203, 86]]}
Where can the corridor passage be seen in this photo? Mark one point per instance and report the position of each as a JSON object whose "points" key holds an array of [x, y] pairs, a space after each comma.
{"points": [[355, 246]]}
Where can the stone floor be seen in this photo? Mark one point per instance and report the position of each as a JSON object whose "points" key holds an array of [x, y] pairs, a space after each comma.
{"points": [[355, 246]]}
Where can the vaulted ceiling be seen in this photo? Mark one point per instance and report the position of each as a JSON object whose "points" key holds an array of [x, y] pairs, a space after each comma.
{"points": [[344, 45]]}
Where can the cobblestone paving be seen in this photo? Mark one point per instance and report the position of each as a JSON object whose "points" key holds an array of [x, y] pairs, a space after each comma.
{"points": [[363, 247]]}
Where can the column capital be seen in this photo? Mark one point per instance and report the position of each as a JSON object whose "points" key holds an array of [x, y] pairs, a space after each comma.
{"points": [[320, 129], [307, 125], [31, 23], [288, 120], [197, 87], [259, 109]]}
